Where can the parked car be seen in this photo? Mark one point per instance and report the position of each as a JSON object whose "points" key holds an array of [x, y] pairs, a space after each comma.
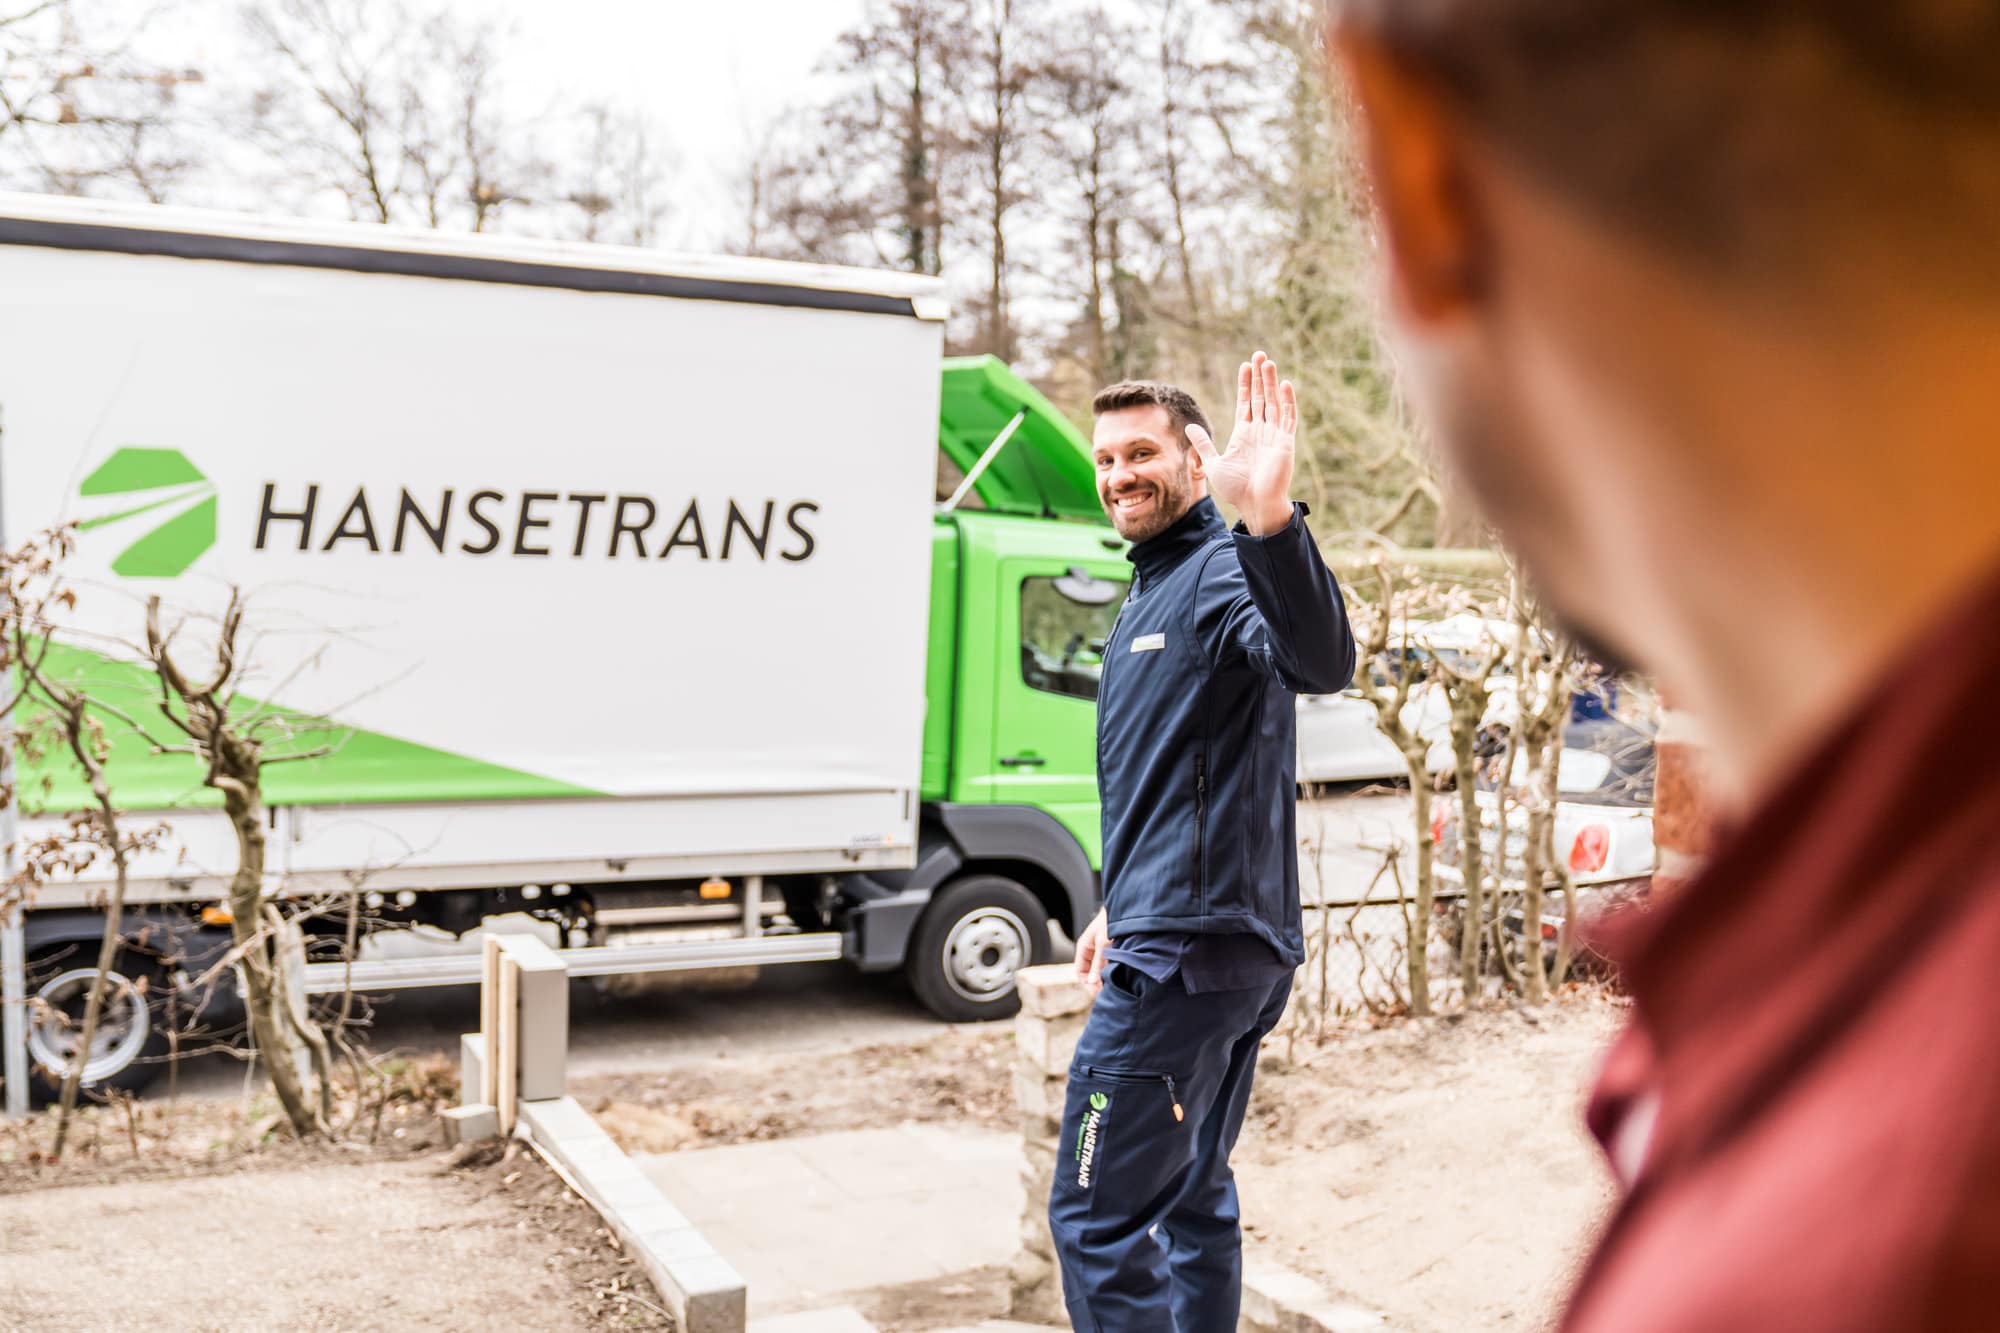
{"points": [[1338, 739], [1604, 785]]}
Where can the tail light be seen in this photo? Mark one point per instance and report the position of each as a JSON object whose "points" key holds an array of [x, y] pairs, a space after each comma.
{"points": [[1591, 849]]}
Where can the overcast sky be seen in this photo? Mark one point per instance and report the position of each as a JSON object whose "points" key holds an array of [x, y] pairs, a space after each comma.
{"points": [[709, 72]]}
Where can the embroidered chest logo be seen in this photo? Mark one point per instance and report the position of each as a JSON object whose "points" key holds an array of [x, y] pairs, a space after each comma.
{"points": [[1149, 643], [1086, 1136]]}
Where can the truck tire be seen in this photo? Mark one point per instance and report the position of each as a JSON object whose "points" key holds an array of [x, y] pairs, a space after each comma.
{"points": [[131, 1038], [975, 934]]}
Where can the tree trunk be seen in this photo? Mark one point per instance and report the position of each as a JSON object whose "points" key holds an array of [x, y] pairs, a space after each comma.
{"points": [[1418, 924], [1537, 861], [918, 195], [270, 1028], [997, 334], [1095, 245], [107, 948], [1170, 149], [1466, 710]]}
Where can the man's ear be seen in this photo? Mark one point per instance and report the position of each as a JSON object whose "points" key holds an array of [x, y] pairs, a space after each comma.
{"points": [[1413, 148]]}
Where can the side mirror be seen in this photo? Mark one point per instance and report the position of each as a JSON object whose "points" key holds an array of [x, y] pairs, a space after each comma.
{"points": [[1084, 588]]}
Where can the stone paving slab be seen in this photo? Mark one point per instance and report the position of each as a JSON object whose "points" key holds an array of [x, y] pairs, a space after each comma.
{"points": [[807, 1219], [842, 1319]]}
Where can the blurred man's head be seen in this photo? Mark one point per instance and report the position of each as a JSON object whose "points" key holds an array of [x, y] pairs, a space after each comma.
{"points": [[1148, 474], [1701, 297]]}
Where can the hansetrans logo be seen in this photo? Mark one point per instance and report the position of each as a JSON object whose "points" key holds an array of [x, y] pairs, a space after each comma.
{"points": [[160, 503]]}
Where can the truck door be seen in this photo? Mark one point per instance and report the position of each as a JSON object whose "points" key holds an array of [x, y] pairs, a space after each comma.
{"points": [[1054, 618]]}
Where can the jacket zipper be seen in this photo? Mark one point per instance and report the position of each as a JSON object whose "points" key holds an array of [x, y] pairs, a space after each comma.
{"points": [[1111, 656], [1200, 824], [1136, 1078]]}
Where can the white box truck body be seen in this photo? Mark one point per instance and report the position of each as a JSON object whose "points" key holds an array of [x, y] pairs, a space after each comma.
{"points": [[527, 527]]}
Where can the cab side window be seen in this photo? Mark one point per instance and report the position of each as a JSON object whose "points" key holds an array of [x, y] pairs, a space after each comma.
{"points": [[1064, 625]]}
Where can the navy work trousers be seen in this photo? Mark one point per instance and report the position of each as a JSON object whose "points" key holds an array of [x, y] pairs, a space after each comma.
{"points": [[1144, 1206]]}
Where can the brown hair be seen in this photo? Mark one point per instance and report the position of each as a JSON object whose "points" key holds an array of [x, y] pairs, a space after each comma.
{"points": [[1750, 131], [1180, 405]]}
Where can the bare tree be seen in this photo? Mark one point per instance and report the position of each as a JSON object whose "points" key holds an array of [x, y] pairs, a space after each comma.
{"points": [[1002, 68], [86, 111], [1388, 670], [881, 152], [32, 595], [618, 183], [395, 109], [1091, 125], [1467, 682], [234, 748]]}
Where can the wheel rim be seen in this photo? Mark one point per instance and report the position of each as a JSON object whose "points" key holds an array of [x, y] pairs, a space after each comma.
{"points": [[55, 1025], [983, 952]]}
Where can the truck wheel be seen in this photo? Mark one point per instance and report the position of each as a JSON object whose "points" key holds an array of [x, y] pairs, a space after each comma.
{"points": [[975, 935], [131, 1035]]}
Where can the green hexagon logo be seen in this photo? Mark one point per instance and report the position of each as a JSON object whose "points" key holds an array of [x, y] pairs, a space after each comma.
{"points": [[164, 483]]}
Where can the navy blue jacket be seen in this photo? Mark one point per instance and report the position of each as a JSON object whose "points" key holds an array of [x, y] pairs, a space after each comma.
{"points": [[1196, 729]]}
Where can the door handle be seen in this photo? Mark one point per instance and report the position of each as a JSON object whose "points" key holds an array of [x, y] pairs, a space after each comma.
{"points": [[1023, 761]]}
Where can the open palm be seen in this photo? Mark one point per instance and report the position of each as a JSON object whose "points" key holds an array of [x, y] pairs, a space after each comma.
{"points": [[1253, 475]]}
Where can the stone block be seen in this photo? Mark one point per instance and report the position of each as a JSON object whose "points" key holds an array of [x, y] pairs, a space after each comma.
{"points": [[1051, 991], [1277, 1300], [542, 1018], [662, 1216], [471, 1068], [470, 1124], [1032, 1093], [1034, 1290], [711, 1296], [1046, 1045], [677, 1245]]}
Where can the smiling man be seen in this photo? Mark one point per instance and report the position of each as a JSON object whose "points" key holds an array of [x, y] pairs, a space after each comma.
{"points": [[1702, 298], [1192, 957]]}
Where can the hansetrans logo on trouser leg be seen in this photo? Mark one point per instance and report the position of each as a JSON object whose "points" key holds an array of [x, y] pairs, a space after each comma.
{"points": [[1086, 1136]]}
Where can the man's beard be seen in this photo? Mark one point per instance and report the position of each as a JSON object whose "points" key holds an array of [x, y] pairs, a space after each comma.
{"points": [[1169, 504]]}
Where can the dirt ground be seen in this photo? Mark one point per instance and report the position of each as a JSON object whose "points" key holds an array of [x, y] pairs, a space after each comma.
{"points": [[960, 1075], [1436, 1171], [205, 1218]]}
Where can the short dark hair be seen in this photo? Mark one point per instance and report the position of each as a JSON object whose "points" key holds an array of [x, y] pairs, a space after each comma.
{"points": [[1182, 410], [1738, 130]]}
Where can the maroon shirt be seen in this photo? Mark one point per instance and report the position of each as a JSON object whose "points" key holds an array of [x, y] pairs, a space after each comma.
{"points": [[1806, 1108]]}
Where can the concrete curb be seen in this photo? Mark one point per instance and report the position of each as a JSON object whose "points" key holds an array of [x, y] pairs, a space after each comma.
{"points": [[1277, 1300], [703, 1291]]}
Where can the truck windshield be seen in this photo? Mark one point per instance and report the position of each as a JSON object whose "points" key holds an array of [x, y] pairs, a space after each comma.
{"points": [[1062, 641]]}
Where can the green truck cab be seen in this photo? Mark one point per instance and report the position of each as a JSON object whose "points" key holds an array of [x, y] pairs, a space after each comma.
{"points": [[1026, 579]]}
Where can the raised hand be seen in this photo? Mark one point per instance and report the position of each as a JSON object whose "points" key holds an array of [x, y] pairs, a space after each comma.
{"points": [[1254, 474]]}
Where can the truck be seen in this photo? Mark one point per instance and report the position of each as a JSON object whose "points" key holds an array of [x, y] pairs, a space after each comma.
{"points": [[699, 608]]}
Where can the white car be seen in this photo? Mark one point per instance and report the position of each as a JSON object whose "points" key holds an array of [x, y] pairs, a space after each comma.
{"points": [[1338, 739], [1604, 808]]}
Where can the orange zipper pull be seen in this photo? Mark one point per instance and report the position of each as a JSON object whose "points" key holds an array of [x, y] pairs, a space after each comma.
{"points": [[1176, 1098]]}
